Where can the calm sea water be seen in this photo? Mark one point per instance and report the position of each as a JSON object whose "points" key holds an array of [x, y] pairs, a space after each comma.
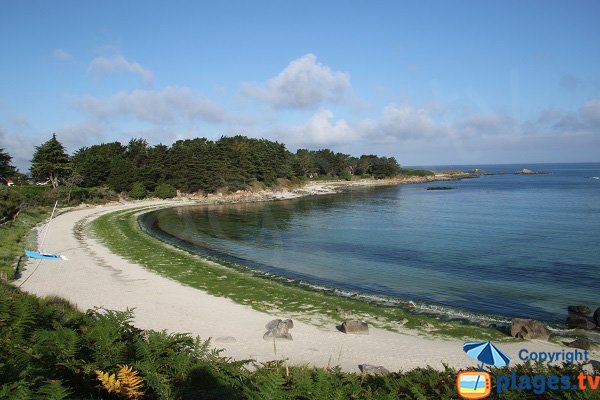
{"points": [[506, 245]]}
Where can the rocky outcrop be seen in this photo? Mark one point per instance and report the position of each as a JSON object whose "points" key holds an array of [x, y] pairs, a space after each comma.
{"points": [[597, 316], [583, 344], [529, 329], [580, 310], [526, 171], [580, 323], [278, 330], [355, 327], [373, 369]]}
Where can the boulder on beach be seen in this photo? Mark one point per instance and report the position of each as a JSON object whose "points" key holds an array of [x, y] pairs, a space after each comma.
{"points": [[597, 316], [278, 330], [579, 310], [583, 344], [355, 327], [373, 369], [523, 328], [580, 323]]}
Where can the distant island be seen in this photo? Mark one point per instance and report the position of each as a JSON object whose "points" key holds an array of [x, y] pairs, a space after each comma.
{"points": [[526, 171]]}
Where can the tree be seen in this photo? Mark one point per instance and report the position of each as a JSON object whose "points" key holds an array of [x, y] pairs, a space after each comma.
{"points": [[50, 162], [165, 191], [6, 168], [138, 191]]}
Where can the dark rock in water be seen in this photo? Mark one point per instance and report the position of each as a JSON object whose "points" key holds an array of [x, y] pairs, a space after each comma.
{"points": [[439, 188], [580, 323], [355, 327], [579, 309], [597, 316], [373, 369], [278, 330], [583, 344], [529, 329]]}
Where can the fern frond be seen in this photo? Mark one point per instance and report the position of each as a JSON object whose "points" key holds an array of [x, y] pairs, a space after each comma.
{"points": [[131, 383]]}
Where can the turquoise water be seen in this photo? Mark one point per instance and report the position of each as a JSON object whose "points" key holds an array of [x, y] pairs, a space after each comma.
{"points": [[506, 245]]}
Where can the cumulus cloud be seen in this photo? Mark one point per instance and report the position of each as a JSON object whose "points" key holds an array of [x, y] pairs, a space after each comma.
{"points": [[321, 129], [304, 83], [102, 66], [584, 120], [61, 55], [402, 122], [169, 105]]}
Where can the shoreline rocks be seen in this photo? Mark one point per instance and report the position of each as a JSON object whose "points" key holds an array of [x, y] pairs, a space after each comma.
{"points": [[278, 329], [578, 322], [579, 310], [526, 171], [529, 329], [356, 327]]}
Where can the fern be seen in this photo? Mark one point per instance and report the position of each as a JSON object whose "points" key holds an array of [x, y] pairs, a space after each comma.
{"points": [[53, 390], [267, 384]]}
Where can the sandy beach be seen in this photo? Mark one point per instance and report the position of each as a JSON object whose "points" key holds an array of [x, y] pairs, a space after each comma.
{"points": [[94, 277]]}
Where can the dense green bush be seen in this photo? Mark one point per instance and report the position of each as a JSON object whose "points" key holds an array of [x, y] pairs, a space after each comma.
{"points": [[416, 172], [138, 191], [165, 191], [10, 203]]}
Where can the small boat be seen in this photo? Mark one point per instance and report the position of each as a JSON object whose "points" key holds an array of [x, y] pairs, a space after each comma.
{"points": [[43, 256], [40, 255]]}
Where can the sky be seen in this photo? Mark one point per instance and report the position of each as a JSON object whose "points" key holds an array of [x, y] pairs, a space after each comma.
{"points": [[428, 82]]}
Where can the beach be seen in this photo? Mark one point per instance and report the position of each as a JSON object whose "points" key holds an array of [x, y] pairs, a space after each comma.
{"points": [[94, 277]]}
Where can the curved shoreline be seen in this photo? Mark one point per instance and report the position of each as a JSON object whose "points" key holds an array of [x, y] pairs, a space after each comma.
{"points": [[94, 276]]}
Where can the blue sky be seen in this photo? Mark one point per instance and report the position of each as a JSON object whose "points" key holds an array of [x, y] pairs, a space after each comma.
{"points": [[429, 82]]}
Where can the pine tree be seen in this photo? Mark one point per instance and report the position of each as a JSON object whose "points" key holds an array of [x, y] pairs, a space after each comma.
{"points": [[6, 168], [50, 161]]}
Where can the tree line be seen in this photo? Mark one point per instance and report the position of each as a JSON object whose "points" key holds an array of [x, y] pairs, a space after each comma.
{"points": [[192, 165]]}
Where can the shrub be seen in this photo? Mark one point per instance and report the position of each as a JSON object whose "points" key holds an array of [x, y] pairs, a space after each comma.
{"points": [[165, 191], [138, 191]]}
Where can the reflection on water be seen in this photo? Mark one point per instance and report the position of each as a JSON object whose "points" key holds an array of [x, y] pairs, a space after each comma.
{"points": [[504, 244]]}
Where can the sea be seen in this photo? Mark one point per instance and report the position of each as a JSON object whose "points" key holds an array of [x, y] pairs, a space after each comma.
{"points": [[498, 246]]}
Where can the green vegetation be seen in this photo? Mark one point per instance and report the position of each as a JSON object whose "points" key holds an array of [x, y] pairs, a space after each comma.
{"points": [[138, 191], [165, 191], [50, 162], [52, 351], [14, 237], [120, 232], [7, 170], [416, 172]]}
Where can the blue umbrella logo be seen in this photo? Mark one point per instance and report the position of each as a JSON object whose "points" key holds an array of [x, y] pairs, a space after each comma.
{"points": [[486, 353]]}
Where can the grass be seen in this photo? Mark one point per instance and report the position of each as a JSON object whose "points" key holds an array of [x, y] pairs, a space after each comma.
{"points": [[120, 232], [14, 237]]}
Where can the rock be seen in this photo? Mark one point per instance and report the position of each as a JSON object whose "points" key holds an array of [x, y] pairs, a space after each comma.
{"points": [[427, 326], [403, 321], [355, 327], [583, 344], [597, 316], [579, 310], [580, 323], [373, 369], [523, 328], [278, 330], [225, 339], [439, 188]]}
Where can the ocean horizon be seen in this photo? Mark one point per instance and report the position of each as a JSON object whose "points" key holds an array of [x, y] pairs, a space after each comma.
{"points": [[501, 245]]}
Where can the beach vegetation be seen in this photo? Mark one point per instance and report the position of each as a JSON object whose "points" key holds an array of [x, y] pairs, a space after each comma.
{"points": [[53, 352], [165, 191], [138, 191], [7, 170]]}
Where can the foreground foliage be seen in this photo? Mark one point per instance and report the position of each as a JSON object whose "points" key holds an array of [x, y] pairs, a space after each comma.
{"points": [[52, 351]]}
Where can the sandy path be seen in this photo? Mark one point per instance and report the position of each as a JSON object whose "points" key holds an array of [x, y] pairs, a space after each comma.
{"points": [[93, 276]]}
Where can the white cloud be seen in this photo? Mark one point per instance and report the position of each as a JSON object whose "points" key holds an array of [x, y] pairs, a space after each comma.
{"points": [[102, 66], [304, 83], [170, 105], [321, 129], [485, 124]]}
